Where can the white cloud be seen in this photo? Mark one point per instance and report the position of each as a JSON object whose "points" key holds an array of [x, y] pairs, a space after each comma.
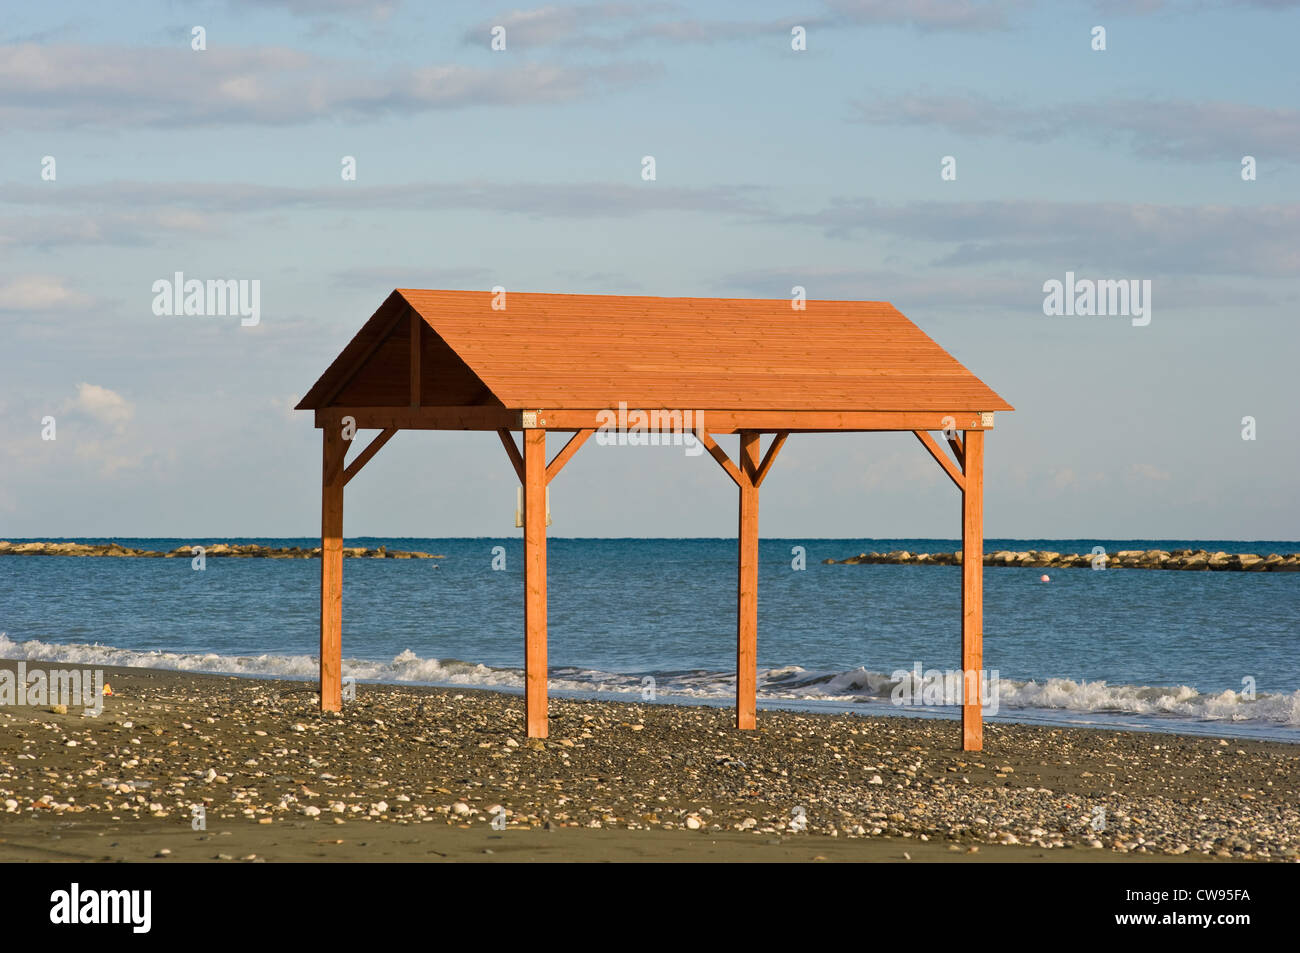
{"points": [[1130, 236], [284, 406], [378, 9], [615, 26], [141, 213], [101, 404], [80, 85], [1148, 471], [955, 15], [39, 293], [1154, 129], [128, 227]]}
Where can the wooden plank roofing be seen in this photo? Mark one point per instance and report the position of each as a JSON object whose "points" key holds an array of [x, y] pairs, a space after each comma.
{"points": [[567, 351]]}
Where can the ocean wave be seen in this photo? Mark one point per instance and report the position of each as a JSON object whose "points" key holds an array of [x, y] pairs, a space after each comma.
{"points": [[794, 683]]}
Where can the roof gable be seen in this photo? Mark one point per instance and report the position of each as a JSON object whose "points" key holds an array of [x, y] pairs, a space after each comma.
{"points": [[563, 351], [373, 370]]}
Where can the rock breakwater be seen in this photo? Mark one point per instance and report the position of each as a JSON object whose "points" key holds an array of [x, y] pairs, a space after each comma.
{"points": [[1184, 559], [217, 550]]}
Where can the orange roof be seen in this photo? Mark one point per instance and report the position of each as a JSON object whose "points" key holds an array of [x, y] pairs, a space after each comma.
{"points": [[567, 351]]}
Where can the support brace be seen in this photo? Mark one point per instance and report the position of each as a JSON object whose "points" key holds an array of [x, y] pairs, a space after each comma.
{"points": [[512, 450], [563, 457], [936, 451], [365, 455]]}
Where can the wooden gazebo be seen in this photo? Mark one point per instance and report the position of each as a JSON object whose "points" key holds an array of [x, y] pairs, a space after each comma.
{"points": [[537, 363]]}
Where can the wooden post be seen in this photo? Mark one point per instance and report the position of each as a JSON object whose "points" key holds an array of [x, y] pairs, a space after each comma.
{"points": [[331, 569], [747, 587], [535, 582], [972, 592]]}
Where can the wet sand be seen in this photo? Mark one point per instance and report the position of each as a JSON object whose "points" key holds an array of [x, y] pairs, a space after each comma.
{"points": [[419, 774]]}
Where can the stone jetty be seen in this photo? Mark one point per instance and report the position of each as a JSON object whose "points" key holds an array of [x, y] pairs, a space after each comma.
{"points": [[210, 550], [1185, 559]]}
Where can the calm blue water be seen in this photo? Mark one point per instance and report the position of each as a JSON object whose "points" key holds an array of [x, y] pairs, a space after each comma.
{"points": [[1162, 650]]}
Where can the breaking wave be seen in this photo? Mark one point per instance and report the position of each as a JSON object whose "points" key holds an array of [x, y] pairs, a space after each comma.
{"points": [[790, 683]]}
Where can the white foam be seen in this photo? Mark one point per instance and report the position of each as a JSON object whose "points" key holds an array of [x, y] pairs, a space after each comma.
{"points": [[1181, 700], [788, 682]]}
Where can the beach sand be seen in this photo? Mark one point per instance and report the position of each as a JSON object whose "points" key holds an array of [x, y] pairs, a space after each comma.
{"points": [[417, 774]]}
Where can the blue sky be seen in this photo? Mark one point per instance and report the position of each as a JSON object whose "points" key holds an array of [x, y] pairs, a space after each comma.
{"points": [[774, 168]]}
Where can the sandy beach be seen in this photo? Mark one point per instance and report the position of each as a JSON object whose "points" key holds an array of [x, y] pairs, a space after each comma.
{"points": [[412, 773]]}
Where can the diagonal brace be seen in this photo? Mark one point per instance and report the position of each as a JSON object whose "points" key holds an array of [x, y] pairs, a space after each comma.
{"points": [[364, 456], [769, 458], [570, 448], [512, 448], [949, 467], [959, 448], [721, 456]]}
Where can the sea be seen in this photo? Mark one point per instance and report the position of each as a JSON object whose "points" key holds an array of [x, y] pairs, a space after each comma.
{"points": [[653, 621]]}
